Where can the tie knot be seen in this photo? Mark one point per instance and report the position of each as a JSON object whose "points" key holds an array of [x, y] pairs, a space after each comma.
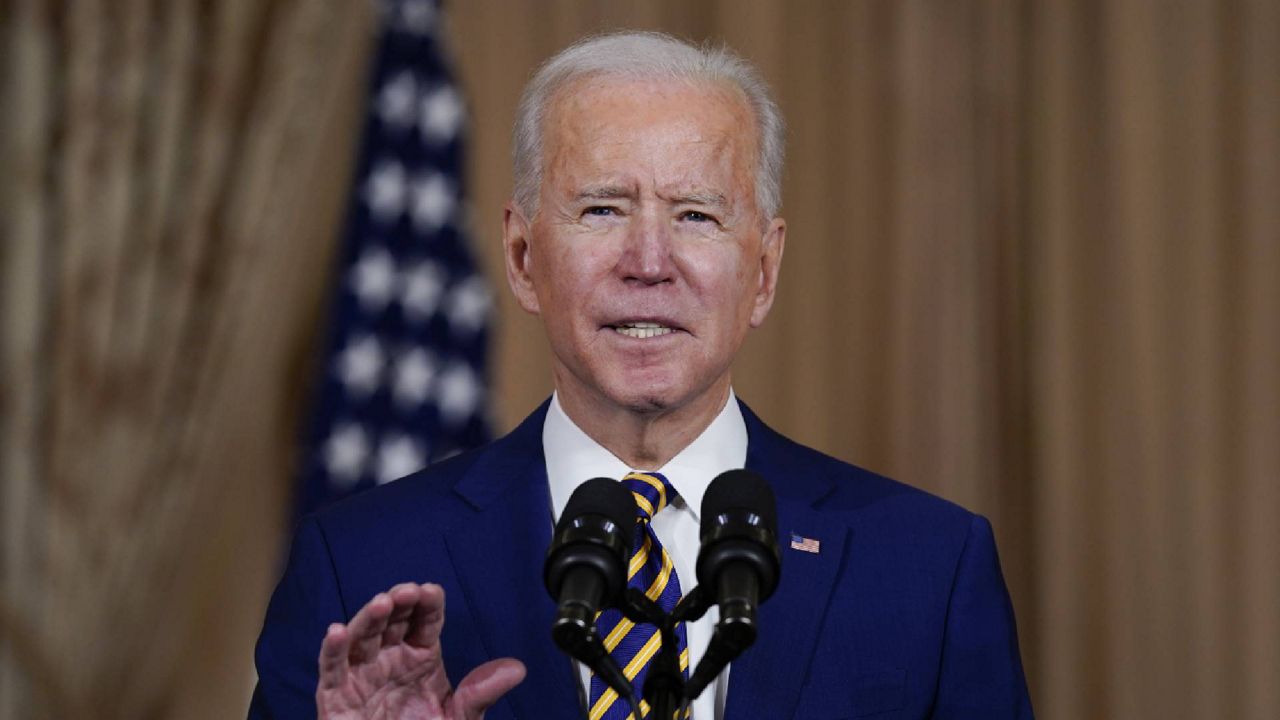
{"points": [[652, 492]]}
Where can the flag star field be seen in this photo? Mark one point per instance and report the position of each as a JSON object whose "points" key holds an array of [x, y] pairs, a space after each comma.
{"points": [[401, 380]]}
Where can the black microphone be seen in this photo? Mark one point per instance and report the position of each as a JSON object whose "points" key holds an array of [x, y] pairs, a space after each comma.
{"points": [[586, 570], [739, 563]]}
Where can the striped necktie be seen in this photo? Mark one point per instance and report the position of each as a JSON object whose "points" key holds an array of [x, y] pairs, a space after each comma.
{"points": [[651, 571]]}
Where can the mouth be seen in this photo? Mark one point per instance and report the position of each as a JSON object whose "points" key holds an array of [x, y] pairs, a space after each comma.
{"points": [[642, 330]]}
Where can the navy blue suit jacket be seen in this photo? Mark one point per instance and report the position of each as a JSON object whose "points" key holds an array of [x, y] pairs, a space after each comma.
{"points": [[903, 613]]}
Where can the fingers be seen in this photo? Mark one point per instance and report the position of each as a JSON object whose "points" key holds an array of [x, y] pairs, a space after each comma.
{"points": [[333, 657], [404, 598], [382, 621], [407, 612], [427, 619], [367, 626], [483, 686], [412, 614]]}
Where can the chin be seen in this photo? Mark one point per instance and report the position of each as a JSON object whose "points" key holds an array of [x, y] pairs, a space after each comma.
{"points": [[649, 404], [645, 401], [649, 394]]}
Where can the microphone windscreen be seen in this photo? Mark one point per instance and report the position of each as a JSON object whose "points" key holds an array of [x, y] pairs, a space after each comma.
{"points": [[606, 497], [740, 490]]}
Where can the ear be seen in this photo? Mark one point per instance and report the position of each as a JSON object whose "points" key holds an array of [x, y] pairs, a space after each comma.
{"points": [[516, 232], [771, 247]]}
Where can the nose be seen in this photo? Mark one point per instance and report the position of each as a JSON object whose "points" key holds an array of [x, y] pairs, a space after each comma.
{"points": [[647, 257]]}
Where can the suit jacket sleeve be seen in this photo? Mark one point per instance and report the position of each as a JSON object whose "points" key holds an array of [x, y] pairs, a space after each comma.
{"points": [[301, 608], [981, 674]]}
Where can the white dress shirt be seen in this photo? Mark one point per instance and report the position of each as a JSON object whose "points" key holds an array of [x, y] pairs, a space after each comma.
{"points": [[573, 458]]}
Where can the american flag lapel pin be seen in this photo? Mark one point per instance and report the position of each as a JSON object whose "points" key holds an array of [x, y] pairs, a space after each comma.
{"points": [[805, 544]]}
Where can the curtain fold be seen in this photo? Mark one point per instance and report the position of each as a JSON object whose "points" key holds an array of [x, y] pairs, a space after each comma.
{"points": [[180, 171]]}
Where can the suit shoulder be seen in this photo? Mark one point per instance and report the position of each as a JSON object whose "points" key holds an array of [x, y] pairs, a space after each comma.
{"points": [[896, 525], [879, 500], [415, 498], [863, 483], [432, 498], [839, 486]]}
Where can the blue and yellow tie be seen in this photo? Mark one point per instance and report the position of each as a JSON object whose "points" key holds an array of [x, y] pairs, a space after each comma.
{"points": [[651, 571]]}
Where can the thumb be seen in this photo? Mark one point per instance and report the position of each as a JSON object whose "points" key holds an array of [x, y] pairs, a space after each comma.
{"points": [[483, 686]]}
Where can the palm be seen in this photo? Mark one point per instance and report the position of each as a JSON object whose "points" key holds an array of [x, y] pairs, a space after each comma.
{"points": [[386, 665], [403, 682]]}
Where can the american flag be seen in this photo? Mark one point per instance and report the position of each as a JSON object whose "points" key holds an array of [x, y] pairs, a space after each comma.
{"points": [[805, 544], [402, 377]]}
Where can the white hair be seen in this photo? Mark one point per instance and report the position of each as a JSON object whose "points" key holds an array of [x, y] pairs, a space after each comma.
{"points": [[645, 55]]}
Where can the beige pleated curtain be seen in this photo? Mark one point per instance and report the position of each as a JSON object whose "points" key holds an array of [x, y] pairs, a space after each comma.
{"points": [[1033, 266]]}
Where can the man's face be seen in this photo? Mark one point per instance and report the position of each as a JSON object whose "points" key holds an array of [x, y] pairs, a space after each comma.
{"points": [[648, 258]]}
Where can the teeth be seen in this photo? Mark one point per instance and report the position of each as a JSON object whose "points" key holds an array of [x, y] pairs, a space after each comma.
{"points": [[642, 330]]}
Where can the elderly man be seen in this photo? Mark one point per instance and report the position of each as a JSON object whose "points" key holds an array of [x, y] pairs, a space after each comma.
{"points": [[643, 232]]}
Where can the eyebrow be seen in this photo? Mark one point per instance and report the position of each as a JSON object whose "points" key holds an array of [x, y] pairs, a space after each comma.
{"points": [[605, 192], [711, 198], [615, 192]]}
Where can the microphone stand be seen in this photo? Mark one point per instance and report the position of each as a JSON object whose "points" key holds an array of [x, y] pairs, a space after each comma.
{"points": [[665, 687]]}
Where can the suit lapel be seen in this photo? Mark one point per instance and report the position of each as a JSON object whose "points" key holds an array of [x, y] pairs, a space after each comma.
{"points": [[771, 673], [497, 553]]}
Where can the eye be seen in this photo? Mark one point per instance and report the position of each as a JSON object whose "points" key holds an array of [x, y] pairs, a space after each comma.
{"points": [[696, 216], [600, 211]]}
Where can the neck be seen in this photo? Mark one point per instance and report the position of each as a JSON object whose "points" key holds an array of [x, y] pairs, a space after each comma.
{"points": [[644, 439]]}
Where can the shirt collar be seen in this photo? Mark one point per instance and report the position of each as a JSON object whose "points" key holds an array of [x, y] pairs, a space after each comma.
{"points": [[573, 457]]}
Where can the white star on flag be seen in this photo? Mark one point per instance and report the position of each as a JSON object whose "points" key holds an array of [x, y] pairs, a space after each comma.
{"points": [[458, 393], [468, 305], [360, 366], [421, 289], [373, 279], [412, 376], [399, 455], [386, 191], [433, 202], [396, 99], [417, 16], [442, 114], [345, 453]]}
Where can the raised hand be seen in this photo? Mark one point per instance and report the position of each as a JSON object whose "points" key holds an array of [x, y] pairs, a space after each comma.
{"points": [[386, 664]]}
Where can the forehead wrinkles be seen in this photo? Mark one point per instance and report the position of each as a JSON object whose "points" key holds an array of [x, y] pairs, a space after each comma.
{"points": [[677, 135]]}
